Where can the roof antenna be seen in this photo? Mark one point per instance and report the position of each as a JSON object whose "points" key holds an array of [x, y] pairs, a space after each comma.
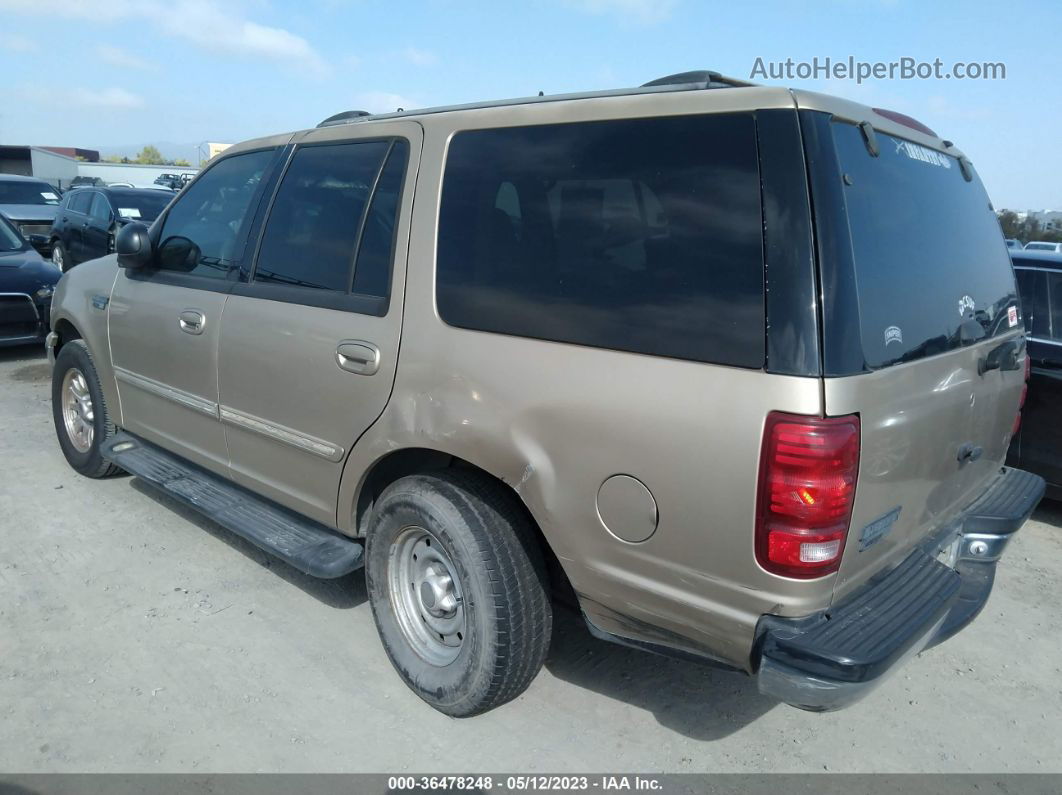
{"points": [[542, 93]]}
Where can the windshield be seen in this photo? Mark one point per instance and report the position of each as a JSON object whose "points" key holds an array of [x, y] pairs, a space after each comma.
{"points": [[141, 206], [10, 240], [28, 192], [931, 274]]}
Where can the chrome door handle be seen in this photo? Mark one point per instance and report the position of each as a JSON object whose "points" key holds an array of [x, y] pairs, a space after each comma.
{"points": [[191, 321], [357, 356]]}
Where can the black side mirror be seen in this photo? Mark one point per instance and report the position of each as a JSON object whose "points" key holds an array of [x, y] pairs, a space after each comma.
{"points": [[133, 246]]}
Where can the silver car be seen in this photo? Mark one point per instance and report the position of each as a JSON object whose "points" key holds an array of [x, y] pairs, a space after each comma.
{"points": [[733, 366]]}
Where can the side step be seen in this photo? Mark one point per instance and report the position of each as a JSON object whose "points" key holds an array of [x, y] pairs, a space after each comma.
{"points": [[306, 545]]}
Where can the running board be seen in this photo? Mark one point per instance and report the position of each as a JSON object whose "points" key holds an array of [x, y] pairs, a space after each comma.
{"points": [[306, 545]]}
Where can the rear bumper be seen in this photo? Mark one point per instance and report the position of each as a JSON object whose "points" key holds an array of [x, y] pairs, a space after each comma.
{"points": [[830, 659]]}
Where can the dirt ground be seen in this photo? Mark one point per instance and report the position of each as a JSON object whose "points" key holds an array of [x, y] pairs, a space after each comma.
{"points": [[138, 637]]}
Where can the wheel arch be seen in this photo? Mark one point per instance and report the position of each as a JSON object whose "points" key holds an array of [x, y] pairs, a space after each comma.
{"points": [[407, 461], [66, 331]]}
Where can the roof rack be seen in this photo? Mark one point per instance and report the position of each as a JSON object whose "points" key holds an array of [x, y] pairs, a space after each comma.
{"points": [[699, 79], [345, 117], [682, 81]]}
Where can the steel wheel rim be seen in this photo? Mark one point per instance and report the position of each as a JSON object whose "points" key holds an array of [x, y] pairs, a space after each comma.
{"points": [[57, 257], [426, 596], [78, 415]]}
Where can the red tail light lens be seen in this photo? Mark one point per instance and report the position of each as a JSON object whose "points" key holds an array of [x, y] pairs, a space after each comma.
{"points": [[808, 470]]}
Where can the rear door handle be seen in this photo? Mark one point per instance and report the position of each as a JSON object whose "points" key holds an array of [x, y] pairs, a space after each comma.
{"points": [[191, 321], [358, 356]]}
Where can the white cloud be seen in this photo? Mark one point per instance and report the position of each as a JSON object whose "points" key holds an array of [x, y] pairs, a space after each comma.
{"points": [[114, 98], [116, 56], [638, 12], [419, 57], [17, 43], [208, 24], [382, 102]]}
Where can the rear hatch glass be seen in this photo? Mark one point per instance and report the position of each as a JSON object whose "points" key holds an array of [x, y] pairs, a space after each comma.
{"points": [[929, 255], [935, 293]]}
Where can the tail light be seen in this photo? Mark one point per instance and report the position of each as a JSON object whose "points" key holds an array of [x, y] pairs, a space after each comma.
{"points": [[808, 470]]}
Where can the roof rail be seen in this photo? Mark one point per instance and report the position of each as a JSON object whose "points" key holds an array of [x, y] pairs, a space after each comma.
{"points": [[683, 81], [701, 78], [346, 117]]}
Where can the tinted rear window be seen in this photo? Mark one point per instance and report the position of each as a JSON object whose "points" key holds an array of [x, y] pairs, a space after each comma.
{"points": [[640, 235], [932, 271], [28, 192], [143, 206]]}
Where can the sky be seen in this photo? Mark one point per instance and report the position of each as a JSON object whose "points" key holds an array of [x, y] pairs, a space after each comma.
{"points": [[117, 74]]}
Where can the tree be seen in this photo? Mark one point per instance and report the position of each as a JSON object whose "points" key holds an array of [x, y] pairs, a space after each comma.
{"points": [[1026, 229], [180, 161], [150, 156]]}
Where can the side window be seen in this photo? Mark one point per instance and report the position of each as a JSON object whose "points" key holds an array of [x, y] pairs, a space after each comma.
{"points": [[1054, 300], [203, 231], [312, 229], [79, 202], [372, 271], [1032, 288], [100, 210], [641, 235]]}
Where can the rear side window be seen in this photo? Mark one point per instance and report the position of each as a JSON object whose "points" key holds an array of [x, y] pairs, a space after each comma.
{"points": [[1032, 287], [641, 235], [372, 271], [932, 271], [101, 209], [312, 231]]}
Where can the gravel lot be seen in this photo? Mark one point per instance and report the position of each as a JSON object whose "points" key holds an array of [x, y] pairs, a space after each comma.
{"points": [[138, 637]]}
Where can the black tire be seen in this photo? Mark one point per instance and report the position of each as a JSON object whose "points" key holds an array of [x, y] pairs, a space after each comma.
{"points": [[64, 262], [502, 576], [75, 355]]}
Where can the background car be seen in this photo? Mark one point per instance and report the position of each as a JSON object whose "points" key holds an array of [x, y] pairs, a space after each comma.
{"points": [[89, 219], [30, 204], [83, 182], [1043, 245], [173, 181], [27, 282], [1013, 243], [1037, 446]]}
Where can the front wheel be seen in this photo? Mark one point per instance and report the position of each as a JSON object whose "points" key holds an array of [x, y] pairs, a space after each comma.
{"points": [[79, 411], [459, 590], [60, 258]]}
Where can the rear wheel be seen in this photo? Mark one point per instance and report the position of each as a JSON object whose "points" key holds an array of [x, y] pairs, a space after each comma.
{"points": [[458, 589], [79, 412]]}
